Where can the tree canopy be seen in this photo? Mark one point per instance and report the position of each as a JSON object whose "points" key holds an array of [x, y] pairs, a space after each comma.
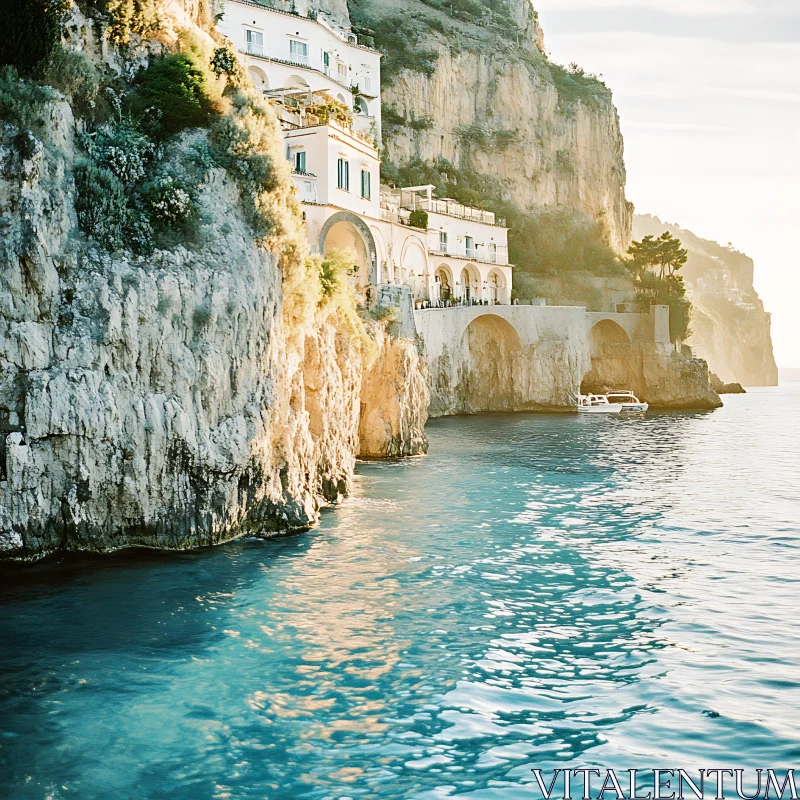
{"points": [[665, 253]]}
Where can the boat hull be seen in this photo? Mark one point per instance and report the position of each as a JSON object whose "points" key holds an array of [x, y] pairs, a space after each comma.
{"points": [[634, 408], [610, 408]]}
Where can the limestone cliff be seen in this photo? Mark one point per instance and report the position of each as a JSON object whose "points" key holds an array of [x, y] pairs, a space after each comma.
{"points": [[483, 96], [730, 328], [186, 396]]}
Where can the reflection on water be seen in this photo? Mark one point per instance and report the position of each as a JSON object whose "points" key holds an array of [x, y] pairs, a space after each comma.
{"points": [[539, 591]]}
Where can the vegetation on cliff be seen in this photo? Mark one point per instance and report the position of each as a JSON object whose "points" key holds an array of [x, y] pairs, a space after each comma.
{"points": [[556, 252], [135, 188], [654, 264]]}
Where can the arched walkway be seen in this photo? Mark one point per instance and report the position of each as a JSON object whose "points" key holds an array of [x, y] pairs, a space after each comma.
{"points": [[259, 78], [296, 82], [443, 280], [496, 287], [492, 346], [613, 362], [346, 232], [470, 283]]}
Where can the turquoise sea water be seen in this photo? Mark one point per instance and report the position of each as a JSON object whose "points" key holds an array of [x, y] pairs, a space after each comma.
{"points": [[539, 591]]}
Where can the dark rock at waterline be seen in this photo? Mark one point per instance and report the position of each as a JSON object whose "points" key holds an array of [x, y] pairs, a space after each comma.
{"points": [[725, 388]]}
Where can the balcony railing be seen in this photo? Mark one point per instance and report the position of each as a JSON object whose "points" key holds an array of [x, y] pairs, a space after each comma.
{"points": [[476, 254], [253, 49], [411, 200]]}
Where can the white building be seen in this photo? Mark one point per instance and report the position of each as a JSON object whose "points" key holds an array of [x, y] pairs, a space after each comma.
{"points": [[289, 51], [301, 63]]}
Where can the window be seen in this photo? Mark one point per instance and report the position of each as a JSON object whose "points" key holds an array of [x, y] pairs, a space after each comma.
{"points": [[367, 87], [255, 43], [326, 63], [442, 242], [342, 70], [366, 188], [298, 51], [470, 242], [344, 175], [493, 252], [300, 161]]}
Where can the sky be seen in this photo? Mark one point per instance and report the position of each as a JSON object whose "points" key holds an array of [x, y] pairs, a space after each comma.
{"points": [[708, 93]]}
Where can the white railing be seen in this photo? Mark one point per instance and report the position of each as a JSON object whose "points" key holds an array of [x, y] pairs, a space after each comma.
{"points": [[253, 49], [474, 255]]}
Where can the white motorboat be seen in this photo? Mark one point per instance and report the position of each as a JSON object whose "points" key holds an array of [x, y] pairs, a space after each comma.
{"points": [[597, 404], [629, 402]]}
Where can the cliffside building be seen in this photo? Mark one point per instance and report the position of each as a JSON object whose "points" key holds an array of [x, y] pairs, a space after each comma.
{"points": [[325, 87]]}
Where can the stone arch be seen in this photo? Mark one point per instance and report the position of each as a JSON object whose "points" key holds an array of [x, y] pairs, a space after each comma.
{"points": [[346, 231], [492, 349], [445, 281], [413, 266], [470, 282], [606, 332], [259, 77], [296, 82], [381, 255], [613, 359], [495, 286]]}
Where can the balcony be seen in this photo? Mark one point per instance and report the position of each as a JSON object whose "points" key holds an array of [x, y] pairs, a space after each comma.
{"points": [[480, 254], [253, 49], [298, 60], [410, 199]]}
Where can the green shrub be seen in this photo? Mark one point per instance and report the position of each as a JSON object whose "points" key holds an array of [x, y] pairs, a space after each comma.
{"points": [[574, 85], [399, 38], [564, 161], [475, 135], [504, 139], [224, 62], [238, 145], [73, 75], [31, 32], [128, 18], [170, 204], [101, 204], [123, 149], [22, 103], [175, 87], [201, 317], [418, 218]]}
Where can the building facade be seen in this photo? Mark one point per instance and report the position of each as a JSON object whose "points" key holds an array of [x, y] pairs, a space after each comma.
{"points": [[325, 87]]}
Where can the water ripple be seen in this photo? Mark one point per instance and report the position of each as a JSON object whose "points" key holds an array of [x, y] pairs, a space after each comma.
{"points": [[540, 591]]}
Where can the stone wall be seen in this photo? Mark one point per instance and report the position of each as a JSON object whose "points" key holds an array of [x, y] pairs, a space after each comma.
{"points": [[529, 358]]}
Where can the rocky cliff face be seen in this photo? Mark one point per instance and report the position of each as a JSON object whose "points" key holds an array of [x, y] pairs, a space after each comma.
{"points": [[334, 11], [730, 328], [492, 103], [176, 399]]}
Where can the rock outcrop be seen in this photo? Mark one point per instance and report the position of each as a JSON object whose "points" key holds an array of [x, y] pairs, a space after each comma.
{"points": [[171, 400], [394, 402], [730, 328], [726, 388]]}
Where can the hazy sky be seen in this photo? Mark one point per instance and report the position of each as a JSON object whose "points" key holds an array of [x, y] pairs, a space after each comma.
{"points": [[709, 97]]}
